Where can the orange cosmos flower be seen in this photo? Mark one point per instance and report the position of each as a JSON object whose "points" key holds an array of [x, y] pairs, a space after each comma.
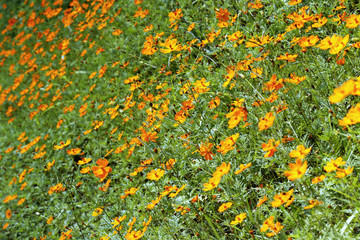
{"points": [[340, 61], [205, 150], [21, 136], [97, 212], [281, 198], [319, 22], [102, 170], [267, 121], [214, 103], [128, 192], [340, 173], [182, 209], [229, 76], [66, 235], [270, 148], [334, 164], [227, 144], [62, 145], [21, 201], [170, 45], [148, 136], [258, 41], [295, 79], [225, 206], [286, 139], [348, 88], [274, 228], [191, 27], [12, 21], [289, 202], [84, 161], [242, 168], [318, 179], [153, 203], [235, 36], [238, 219], [92, 75], [117, 32], [195, 199], [85, 170], [213, 183], [222, 170], [308, 41], [256, 5], [256, 72], [148, 28], [298, 169], [299, 18], [49, 165], [236, 115], [131, 191], [57, 188], [261, 201], [5, 225], [353, 21], [201, 86], [9, 150], [177, 191], [50, 219], [106, 186], [300, 152], [9, 198], [267, 223], [281, 108], [335, 43], [134, 235], [155, 174], [313, 203], [352, 117], [175, 15], [149, 48], [170, 163], [222, 15], [294, 2], [74, 151], [8, 214], [64, 44], [288, 57], [118, 220], [141, 13]]}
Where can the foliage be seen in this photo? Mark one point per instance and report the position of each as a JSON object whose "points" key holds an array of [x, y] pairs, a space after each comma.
{"points": [[179, 119]]}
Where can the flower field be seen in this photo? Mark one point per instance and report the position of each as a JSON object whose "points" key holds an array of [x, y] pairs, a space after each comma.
{"points": [[189, 119]]}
